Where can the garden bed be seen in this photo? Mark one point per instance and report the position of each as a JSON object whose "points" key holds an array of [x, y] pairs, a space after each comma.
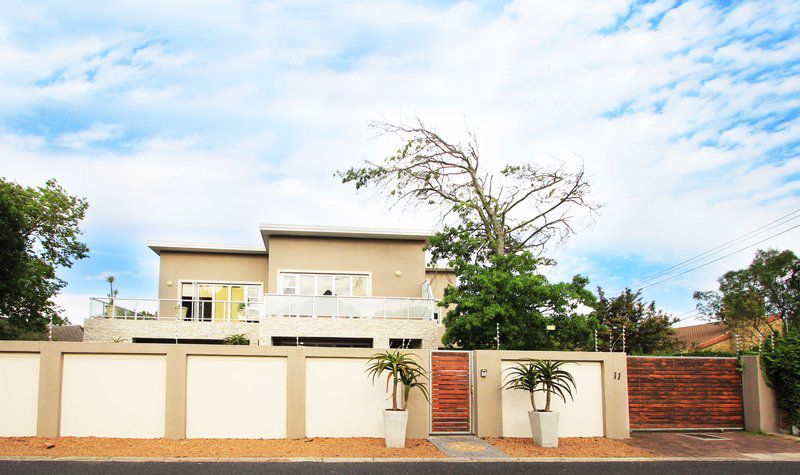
{"points": [[217, 448], [574, 447]]}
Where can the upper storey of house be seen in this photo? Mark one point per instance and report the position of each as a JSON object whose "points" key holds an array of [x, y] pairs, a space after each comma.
{"points": [[303, 260]]}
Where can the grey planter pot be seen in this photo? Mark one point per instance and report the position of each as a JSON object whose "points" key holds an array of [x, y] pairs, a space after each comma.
{"points": [[395, 423], [544, 428]]}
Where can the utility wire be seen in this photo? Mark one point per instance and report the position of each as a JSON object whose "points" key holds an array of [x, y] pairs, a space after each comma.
{"points": [[720, 258], [716, 250]]}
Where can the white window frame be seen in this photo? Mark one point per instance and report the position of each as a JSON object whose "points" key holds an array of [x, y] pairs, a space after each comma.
{"points": [[230, 283], [334, 273]]}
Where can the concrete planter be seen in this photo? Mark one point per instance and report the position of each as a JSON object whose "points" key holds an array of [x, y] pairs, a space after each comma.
{"points": [[395, 423], [544, 428]]}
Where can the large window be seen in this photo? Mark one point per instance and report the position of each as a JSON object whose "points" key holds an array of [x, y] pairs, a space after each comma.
{"points": [[207, 301], [345, 285]]}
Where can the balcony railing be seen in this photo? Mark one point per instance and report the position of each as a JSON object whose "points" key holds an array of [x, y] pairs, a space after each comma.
{"points": [[307, 306]]}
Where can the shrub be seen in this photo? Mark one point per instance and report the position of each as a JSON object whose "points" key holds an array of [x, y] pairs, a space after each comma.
{"points": [[236, 339], [782, 365]]}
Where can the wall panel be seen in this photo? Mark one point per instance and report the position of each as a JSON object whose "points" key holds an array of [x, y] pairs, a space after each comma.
{"points": [[236, 397], [105, 395], [341, 400], [582, 417], [19, 396]]}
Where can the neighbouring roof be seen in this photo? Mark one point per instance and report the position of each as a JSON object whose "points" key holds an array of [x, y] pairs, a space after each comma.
{"points": [[67, 333], [701, 336], [158, 246], [706, 334], [268, 230]]}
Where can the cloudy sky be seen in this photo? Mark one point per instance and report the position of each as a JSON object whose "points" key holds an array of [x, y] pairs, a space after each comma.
{"points": [[196, 121]]}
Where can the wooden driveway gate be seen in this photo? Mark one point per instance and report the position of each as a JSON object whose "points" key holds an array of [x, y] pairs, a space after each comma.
{"points": [[451, 392], [684, 393]]}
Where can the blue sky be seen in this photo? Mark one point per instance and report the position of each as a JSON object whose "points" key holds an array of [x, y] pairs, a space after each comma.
{"points": [[196, 122]]}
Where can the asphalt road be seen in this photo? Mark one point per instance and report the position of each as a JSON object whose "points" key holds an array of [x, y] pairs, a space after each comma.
{"points": [[415, 468]]}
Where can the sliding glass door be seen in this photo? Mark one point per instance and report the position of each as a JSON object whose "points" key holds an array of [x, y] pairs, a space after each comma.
{"points": [[208, 302]]}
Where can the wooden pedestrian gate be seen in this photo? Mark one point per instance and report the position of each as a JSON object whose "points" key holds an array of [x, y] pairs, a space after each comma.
{"points": [[684, 393], [451, 392]]}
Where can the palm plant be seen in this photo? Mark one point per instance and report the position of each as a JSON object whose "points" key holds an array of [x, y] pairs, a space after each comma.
{"points": [[541, 376], [400, 369]]}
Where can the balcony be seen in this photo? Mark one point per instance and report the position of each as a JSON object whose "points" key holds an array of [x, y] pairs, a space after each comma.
{"points": [[272, 306]]}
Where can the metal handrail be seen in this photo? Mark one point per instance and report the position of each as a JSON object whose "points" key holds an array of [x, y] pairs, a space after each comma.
{"points": [[271, 305]]}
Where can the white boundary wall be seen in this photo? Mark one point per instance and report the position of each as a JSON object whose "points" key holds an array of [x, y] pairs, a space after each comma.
{"points": [[341, 400], [236, 397], [113, 395], [582, 417], [19, 394]]}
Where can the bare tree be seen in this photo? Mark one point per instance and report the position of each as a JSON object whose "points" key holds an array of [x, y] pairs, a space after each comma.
{"points": [[521, 208]]}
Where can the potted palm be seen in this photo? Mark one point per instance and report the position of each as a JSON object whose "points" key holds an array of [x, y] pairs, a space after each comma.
{"points": [[542, 376], [402, 372]]}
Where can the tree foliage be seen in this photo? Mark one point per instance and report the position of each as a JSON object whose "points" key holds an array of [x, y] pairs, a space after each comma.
{"points": [[647, 329], [39, 233], [510, 291], [748, 297], [782, 365], [521, 207]]}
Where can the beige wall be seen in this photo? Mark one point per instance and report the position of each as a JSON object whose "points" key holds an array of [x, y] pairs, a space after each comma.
{"points": [[113, 395], [382, 258], [109, 399], [440, 280], [177, 266], [488, 395], [19, 396], [125, 390], [581, 416], [236, 397], [761, 413]]}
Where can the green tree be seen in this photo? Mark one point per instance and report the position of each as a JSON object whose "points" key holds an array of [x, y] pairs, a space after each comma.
{"points": [[510, 291], [748, 298], [782, 365], [522, 207], [647, 329], [39, 231]]}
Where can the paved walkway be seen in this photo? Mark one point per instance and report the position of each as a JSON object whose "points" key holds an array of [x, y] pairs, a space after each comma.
{"points": [[732, 445], [466, 446]]}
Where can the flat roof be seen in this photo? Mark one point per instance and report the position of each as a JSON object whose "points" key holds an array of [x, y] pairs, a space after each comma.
{"points": [[268, 230], [171, 246]]}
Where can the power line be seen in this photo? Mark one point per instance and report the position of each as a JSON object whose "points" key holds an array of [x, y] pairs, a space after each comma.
{"points": [[755, 232], [720, 258]]}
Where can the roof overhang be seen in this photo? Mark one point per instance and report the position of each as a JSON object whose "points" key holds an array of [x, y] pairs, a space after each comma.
{"points": [[344, 232], [159, 246]]}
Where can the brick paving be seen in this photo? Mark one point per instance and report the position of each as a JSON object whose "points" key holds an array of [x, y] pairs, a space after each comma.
{"points": [[733, 445]]}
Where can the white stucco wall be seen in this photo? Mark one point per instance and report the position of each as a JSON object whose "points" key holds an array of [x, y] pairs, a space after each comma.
{"points": [[19, 394], [341, 400], [582, 417], [236, 397], [113, 395]]}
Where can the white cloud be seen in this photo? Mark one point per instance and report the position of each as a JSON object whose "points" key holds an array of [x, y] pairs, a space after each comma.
{"points": [[83, 139]]}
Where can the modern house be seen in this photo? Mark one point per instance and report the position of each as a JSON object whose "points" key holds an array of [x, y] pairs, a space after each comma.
{"points": [[306, 285]]}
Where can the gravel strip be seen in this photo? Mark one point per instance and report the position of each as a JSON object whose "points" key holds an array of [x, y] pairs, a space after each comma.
{"points": [[212, 448], [570, 447]]}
